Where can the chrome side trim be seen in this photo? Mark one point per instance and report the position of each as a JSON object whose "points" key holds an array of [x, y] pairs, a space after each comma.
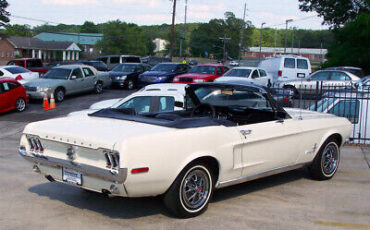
{"points": [[87, 170], [258, 175]]}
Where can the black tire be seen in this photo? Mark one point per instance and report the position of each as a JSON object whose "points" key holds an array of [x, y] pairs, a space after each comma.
{"points": [[59, 95], [130, 84], [98, 88], [326, 162], [294, 89], [20, 104], [178, 202]]}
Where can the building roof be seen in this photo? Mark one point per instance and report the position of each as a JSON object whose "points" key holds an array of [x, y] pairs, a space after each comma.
{"points": [[78, 38], [34, 43], [288, 50]]}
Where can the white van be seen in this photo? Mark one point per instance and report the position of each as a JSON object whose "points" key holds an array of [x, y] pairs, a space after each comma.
{"points": [[113, 60], [286, 67]]}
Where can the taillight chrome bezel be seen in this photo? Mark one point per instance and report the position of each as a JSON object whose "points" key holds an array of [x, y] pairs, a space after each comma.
{"points": [[35, 145], [111, 159]]}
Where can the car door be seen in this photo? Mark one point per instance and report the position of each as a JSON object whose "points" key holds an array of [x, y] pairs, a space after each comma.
{"points": [[263, 79], [6, 98], [90, 78], [338, 80], [255, 77], [302, 68], [289, 69], [270, 144], [77, 81]]}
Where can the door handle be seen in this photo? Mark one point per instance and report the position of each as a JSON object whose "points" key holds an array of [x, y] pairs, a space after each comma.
{"points": [[245, 132]]}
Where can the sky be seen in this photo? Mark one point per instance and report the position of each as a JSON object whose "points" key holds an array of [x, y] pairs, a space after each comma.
{"points": [[154, 12]]}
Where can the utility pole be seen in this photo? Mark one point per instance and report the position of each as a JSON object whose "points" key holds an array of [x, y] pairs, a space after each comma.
{"points": [[259, 56], [242, 34], [293, 38], [172, 29], [286, 30], [182, 41], [224, 39], [275, 39]]}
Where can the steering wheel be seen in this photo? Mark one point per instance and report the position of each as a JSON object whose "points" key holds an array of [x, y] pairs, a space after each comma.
{"points": [[204, 109]]}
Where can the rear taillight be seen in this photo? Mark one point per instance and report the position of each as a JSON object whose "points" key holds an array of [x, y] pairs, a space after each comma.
{"points": [[286, 99], [280, 73], [19, 77], [35, 145], [112, 160]]}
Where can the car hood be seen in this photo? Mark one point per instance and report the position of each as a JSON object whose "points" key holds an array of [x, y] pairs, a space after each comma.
{"points": [[118, 74], [196, 75], [42, 82], [156, 73], [304, 114], [104, 104], [91, 132]]}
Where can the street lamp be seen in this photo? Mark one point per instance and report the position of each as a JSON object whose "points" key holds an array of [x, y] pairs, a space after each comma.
{"points": [[263, 23], [286, 29]]}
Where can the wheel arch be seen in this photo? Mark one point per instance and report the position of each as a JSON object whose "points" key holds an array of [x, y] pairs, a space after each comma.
{"points": [[62, 88], [335, 135]]}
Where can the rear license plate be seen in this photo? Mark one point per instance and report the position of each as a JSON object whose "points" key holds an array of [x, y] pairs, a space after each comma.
{"points": [[72, 176]]}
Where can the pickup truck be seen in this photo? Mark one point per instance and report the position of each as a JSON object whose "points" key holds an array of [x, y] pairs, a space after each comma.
{"points": [[33, 64]]}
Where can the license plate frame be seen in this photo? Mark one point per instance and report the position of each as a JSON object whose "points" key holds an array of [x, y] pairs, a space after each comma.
{"points": [[71, 176]]}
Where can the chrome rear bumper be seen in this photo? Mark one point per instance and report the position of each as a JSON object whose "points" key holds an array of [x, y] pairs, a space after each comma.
{"points": [[87, 170]]}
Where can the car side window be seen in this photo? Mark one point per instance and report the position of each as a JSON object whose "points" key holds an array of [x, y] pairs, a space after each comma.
{"points": [[1, 88], [104, 60], [302, 64], [77, 73], [147, 67], [1, 73], [166, 104], [226, 69], [262, 73], [6, 86], [140, 69], [114, 60], [289, 63], [219, 70], [255, 74], [88, 72], [12, 85], [347, 108], [338, 76], [321, 76], [139, 104]]}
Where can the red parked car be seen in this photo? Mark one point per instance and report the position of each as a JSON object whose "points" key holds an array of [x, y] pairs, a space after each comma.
{"points": [[12, 95], [201, 73], [33, 64]]}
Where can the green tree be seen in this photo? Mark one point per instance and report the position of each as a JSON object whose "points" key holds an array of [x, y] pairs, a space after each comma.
{"points": [[18, 30], [334, 12], [89, 27], [123, 38], [4, 15], [351, 44], [206, 38]]}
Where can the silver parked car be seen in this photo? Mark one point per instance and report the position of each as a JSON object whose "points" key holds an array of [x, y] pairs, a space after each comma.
{"points": [[68, 79]]}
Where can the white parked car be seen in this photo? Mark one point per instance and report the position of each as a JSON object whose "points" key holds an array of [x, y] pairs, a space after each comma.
{"points": [[247, 74], [18, 73], [286, 67], [228, 134], [234, 63], [355, 106], [330, 80], [152, 98]]}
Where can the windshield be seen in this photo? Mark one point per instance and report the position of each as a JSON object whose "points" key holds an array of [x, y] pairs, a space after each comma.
{"points": [[238, 73], [164, 67], [322, 105], [232, 98], [124, 68], [57, 73], [203, 69], [16, 70]]}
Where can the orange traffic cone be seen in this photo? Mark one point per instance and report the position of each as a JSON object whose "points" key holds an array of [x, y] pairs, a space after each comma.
{"points": [[52, 102], [45, 104]]}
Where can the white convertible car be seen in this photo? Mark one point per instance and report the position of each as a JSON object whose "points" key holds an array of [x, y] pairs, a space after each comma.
{"points": [[228, 134]]}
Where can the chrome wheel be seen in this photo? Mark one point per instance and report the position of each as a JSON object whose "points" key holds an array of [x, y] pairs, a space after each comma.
{"points": [[59, 95], [130, 84], [20, 104], [330, 158], [195, 189], [98, 88]]}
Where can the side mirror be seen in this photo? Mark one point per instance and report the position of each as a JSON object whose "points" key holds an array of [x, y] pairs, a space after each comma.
{"points": [[73, 77], [179, 104]]}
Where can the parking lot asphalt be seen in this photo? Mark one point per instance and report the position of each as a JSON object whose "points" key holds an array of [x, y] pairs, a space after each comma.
{"points": [[290, 200]]}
